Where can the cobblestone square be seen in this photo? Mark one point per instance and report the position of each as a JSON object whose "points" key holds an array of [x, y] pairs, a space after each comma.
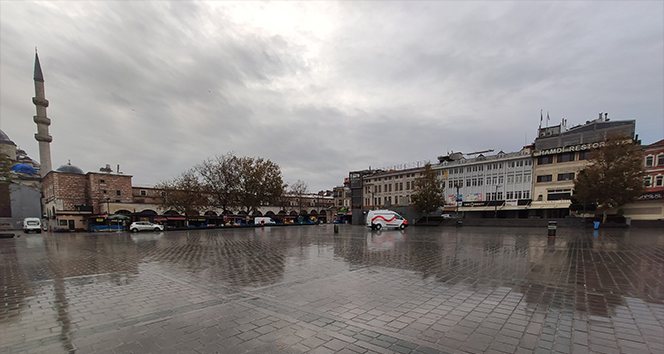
{"points": [[306, 289]]}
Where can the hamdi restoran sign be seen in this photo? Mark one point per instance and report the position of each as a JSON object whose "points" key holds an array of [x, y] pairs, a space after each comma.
{"points": [[579, 147]]}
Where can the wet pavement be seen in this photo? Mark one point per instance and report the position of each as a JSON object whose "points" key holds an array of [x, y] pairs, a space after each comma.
{"points": [[306, 289]]}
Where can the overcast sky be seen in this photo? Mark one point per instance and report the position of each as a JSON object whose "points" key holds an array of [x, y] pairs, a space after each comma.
{"points": [[321, 88]]}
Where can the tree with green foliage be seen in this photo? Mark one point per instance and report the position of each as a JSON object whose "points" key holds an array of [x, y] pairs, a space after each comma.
{"points": [[260, 183], [428, 196], [613, 176]]}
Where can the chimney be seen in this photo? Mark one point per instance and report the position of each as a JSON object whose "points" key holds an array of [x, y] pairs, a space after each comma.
{"points": [[600, 115], [606, 117]]}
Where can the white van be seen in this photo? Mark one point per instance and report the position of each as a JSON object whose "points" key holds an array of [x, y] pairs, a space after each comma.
{"points": [[32, 224], [264, 220], [379, 219]]}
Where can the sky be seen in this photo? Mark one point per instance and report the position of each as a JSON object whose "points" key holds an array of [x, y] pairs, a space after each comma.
{"points": [[321, 88]]}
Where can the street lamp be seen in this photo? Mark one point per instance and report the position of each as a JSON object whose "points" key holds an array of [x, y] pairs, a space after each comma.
{"points": [[495, 211], [456, 199]]}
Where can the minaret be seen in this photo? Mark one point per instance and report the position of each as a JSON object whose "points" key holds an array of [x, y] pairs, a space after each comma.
{"points": [[42, 120]]}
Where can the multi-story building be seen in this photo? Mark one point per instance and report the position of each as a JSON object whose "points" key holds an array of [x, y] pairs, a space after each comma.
{"points": [[383, 189], [487, 186], [71, 196], [560, 153], [650, 205]]}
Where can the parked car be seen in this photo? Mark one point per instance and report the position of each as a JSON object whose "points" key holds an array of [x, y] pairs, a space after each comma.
{"points": [[446, 216], [145, 226], [32, 224]]}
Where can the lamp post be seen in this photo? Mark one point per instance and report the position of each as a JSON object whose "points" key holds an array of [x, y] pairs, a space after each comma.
{"points": [[456, 199], [495, 210]]}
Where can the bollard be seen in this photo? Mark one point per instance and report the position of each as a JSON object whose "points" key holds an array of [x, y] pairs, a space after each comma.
{"points": [[336, 228], [553, 225]]}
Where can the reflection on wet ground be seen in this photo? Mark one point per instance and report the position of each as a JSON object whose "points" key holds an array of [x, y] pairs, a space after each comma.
{"points": [[300, 289]]}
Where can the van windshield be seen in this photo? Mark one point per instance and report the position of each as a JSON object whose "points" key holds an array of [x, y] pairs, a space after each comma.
{"points": [[398, 217]]}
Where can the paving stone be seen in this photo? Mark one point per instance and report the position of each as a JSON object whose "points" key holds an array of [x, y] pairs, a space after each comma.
{"points": [[500, 290]]}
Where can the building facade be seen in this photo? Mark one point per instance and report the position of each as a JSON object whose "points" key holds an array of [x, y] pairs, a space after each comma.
{"points": [[560, 153], [487, 186]]}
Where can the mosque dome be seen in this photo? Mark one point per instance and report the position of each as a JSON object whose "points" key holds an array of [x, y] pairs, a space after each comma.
{"points": [[4, 139], [70, 169]]}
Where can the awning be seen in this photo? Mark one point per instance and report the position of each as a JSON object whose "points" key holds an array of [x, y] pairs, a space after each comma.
{"points": [[175, 218]]}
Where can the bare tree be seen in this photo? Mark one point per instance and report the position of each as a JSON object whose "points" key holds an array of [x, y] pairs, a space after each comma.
{"points": [[296, 192], [220, 180], [183, 194]]}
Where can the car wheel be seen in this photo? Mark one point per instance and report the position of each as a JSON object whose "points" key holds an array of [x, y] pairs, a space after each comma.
{"points": [[134, 230], [156, 229], [402, 226], [379, 226]]}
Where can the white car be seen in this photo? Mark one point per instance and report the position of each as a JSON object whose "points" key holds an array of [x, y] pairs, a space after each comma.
{"points": [[447, 216], [145, 226]]}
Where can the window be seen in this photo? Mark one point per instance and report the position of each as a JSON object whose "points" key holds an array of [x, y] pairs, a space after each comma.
{"points": [[566, 176], [566, 157], [400, 186], [659, 180], [510, 164], [103, 191], [488, 180], [519, 163], [526, 194], [467, 169], [144, 193], [449, 185], [545, 178], [479, 181], [118, 192], [500, 196], [647, 180], [488, 167], [468, 182], [528, 162], [379, 189], [518, 179], [649, 161], [500, 179], [389, 186], [474, 181], [474, 168], [495, 180], [102, 181], [545, 160], [526, 178], [660, 160], [510, 179], [63, 222], [585, 155], [509, 195], [517, 195], [481, 167], [559, 194]]}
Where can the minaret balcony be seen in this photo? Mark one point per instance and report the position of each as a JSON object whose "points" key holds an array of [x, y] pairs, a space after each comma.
{"points": [[38, 101], [42, 120], [43, 137]]}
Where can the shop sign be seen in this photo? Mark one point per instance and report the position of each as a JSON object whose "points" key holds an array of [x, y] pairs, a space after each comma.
{"points": [[579, 147], [475, 204], [650, 196], [512, 202]]}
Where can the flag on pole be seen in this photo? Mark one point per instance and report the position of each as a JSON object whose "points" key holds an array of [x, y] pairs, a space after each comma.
{"points": [[541, 117]]}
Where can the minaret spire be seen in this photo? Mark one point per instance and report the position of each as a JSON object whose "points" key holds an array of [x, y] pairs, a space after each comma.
{"points": [[42, 120]]}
